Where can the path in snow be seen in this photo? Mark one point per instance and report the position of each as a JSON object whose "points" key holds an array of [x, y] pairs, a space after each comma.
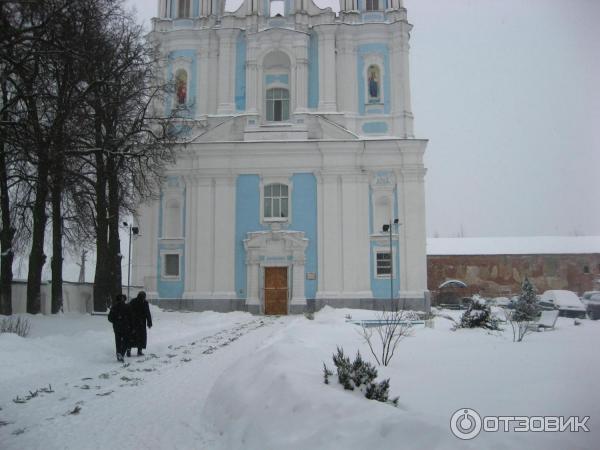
{"points": [[78, 395]]}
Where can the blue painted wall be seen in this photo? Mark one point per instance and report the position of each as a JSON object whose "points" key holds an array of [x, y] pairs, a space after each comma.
{"points": [[240, 73], [247, 218], [313, 71], [381, 286], [196, 8], [280, 78], [375, 128], [171, 288], [192, 80], [304, 218], [383, 50]]}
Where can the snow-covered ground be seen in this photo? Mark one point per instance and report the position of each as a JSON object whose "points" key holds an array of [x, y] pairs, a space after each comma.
{"points": [[237, 381]]}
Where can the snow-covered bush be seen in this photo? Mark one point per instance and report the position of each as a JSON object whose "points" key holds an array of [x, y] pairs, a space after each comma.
{"points": [[359, 374], [478, 315], [16, 325]]}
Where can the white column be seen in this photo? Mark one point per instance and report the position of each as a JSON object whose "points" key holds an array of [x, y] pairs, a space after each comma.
{"points": [[252, 85], [348, 234], [191, 236], [202, 81], [204, 236], [355, 236], [412, 232], [226, 104], [405, 71], [332, 267], [224, 238], [301, 92], [213, 73], [252, 274], [144, 259], [363, 240], [327, 69], [346, 84], [298, 295]]}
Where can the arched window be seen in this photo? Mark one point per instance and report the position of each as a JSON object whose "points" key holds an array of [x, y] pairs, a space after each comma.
{"points": [[278, 105], [183, 9], [276, 201], [372, 5], [374, 84], [181, 79], [172, 219]]}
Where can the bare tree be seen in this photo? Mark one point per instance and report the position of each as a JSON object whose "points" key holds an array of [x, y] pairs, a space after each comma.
{"points": [[390, 328]]}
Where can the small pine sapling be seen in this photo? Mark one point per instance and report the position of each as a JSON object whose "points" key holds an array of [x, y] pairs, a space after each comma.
{"points": [[362, 371], [525, 312], [344, 367]]}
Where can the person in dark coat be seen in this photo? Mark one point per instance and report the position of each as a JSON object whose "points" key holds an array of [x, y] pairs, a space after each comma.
{"points": [[120, 317], [140, 312]]}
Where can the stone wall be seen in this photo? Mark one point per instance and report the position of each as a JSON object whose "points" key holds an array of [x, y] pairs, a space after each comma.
{"points": [[502, 275]]}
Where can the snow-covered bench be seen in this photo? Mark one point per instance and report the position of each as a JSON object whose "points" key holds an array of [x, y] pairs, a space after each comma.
{"points": [[546, 321]]}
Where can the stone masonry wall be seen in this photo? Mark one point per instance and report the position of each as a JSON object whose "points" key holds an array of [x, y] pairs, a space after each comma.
{"points": [[502, 275]]}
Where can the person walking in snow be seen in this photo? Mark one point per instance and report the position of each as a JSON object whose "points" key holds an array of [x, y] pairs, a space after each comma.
{"points": [[120, 317], [140, 312]]}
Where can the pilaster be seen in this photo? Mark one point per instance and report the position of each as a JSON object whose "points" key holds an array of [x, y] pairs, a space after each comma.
{"points": [[413, 245], [301, 53], [327, 65], [226, 80]]}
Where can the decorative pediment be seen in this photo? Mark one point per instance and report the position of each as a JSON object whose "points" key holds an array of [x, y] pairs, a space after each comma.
{"points": [[282, 244]]}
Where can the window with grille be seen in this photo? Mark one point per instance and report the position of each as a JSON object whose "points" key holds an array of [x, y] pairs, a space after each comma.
{"points": [[372, 5], [171, 265], [384, 264], [278, 105], [276, 201]]}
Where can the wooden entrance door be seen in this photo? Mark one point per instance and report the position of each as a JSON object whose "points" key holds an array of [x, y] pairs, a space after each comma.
{"points": [[276, 290]]}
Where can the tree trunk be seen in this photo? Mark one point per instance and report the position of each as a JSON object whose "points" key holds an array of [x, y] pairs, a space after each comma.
{"points": [[57, 229], [7, 232], [114, 242], [37, 258], [102, 291]]}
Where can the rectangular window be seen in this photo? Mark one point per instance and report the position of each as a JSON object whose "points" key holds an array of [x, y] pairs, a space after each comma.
{"points": [[184, 8], [278, 105], [276, 201], [171, 268], [372, 5], [384, 264]]}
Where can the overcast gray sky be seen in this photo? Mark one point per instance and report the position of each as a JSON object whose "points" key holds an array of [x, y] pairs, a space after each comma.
{"points": [[507, 92]]}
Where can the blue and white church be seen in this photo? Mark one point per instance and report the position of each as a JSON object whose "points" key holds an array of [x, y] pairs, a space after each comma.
{"points": [[297, 146]]}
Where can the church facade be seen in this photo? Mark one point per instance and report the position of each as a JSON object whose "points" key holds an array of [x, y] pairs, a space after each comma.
{"points": [[297, 146]]}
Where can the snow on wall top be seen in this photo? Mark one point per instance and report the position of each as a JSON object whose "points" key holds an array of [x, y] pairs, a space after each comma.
{"points": [[525, 245]]}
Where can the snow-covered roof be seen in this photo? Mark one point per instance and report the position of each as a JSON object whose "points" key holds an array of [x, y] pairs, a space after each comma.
{"points": [[524, 245]]}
